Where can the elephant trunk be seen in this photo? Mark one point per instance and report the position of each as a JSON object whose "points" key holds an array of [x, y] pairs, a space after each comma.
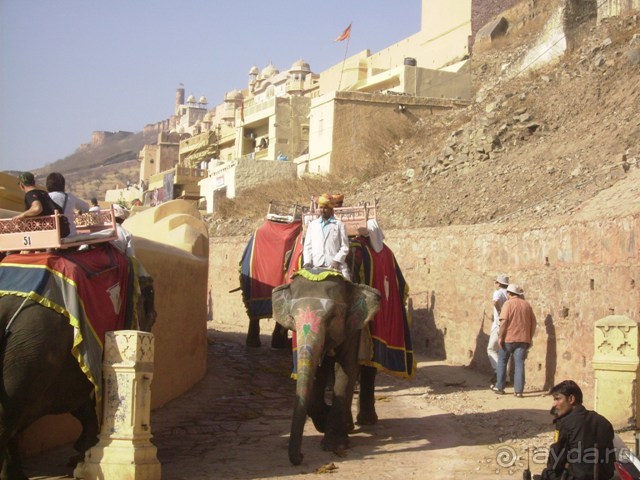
{"points": [[308, 355]]}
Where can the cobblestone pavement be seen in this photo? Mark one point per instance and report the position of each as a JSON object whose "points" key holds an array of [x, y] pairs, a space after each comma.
{"points": [[235, 425]]}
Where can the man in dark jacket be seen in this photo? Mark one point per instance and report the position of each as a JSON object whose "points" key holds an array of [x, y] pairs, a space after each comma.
{"points": [[583, 439], [36, 202]]}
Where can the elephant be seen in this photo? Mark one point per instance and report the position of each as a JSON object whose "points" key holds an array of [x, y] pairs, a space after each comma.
{"points": [[39, 375], [264, 265], [327, 312]]}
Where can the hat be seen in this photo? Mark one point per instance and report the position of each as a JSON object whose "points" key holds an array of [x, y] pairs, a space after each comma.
{"points": [[325, 200], [337, 198], [27, 178], [120, 212], [515, 289], [502, 279]]}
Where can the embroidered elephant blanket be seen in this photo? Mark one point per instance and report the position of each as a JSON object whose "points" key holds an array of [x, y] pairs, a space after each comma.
{"points": [[264, 264], [386, 345], [92, 288]]}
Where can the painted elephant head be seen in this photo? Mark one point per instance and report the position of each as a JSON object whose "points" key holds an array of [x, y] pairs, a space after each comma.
{"points": [[327, 313]]}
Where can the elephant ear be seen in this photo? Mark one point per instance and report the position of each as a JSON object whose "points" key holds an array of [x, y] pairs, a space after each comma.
{"points": [[364, 306], [281, 304]]}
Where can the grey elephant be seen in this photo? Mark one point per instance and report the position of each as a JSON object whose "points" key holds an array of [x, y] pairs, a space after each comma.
{"points": [[327, 313], [264, 265], [43, 341]]}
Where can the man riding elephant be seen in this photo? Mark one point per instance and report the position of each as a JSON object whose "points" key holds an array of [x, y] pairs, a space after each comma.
{"points": [[326, 243], [384, 343]]}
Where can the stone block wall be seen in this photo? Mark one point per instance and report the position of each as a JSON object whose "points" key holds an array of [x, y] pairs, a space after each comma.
{"points": [[254, 172], [573, 274]]}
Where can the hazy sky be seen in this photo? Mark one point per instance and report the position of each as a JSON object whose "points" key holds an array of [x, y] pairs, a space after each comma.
{"points": [[69, 67]]}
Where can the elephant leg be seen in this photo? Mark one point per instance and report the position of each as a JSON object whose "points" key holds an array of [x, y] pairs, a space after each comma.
{"points": [[253, 335], [11, 464], [318, 408], [340, 420], [367, 402], [86, 414], [279, 337]]}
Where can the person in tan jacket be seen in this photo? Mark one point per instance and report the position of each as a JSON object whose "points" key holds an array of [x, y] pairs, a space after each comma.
{"points": [[517, 326]]}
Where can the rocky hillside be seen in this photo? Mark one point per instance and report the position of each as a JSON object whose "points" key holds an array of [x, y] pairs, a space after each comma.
{"points": [[91, 171], [530, 147]]}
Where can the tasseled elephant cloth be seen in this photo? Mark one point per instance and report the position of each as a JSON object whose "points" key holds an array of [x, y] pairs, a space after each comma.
{"points": [[386, 344], [264, 264], [93, 288]]}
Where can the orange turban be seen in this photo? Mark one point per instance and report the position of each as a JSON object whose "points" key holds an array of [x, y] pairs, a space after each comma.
{"points": [[325, 200], [338, 198]]}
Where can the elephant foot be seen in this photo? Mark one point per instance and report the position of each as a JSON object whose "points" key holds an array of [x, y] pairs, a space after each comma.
{"points": [[296, 458], [367, 418], [337, 444], [253, 342]]}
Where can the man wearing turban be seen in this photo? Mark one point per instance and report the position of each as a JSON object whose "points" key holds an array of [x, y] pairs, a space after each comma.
{"points": [[326, 243]]}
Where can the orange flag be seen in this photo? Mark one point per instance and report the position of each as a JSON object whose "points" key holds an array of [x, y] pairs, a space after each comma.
{"points": [[346, 34]]}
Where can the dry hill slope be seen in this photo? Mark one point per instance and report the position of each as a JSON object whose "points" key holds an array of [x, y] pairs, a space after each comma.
{"points": [[530, 148]]}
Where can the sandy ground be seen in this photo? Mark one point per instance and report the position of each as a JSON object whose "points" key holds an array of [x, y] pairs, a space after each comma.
{"points": [[234, 424]]}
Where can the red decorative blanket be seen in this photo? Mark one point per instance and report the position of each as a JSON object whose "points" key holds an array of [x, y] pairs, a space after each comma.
{"points": [[92, 288], [264, 263]]}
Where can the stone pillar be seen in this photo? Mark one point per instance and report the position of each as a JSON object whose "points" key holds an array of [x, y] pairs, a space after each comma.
{"points": [[616, 366], [124, 450]]}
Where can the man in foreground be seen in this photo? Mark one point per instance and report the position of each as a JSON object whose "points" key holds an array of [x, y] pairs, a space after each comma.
{"points": [[517, 326], [583, 442]]}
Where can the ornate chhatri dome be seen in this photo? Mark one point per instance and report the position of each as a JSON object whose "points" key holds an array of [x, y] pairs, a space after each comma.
{"points": [[203, 100], [233, 95], [191, 99], [254, 70], [301, 66], [269, 71]]}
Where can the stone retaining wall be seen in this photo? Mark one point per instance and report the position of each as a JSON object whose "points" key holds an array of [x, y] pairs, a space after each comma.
{"points": [[573, 274]]}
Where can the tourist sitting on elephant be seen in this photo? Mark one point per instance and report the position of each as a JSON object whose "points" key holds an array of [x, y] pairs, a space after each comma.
{"points": [[326, 243], [37, 203]]}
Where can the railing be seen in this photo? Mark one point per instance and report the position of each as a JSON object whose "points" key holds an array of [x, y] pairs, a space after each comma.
{"points": [[190, 172]]}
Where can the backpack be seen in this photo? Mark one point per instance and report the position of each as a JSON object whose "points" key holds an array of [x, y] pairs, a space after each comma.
{"points": [[65, 229]]}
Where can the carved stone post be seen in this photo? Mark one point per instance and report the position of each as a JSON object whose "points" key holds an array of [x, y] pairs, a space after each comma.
{"points": [[124, 450], [616, 366]]}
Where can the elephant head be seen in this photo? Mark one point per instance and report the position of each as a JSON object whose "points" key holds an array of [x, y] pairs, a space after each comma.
{"points": [[327, 313]]}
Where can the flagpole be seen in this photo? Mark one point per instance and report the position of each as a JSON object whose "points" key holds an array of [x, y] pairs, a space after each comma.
{"points": [[346, 49], [343, 61]]}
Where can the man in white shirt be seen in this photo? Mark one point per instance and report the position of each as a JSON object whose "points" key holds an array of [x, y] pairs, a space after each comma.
{"points": [[499, 297], [326, 243], [124, 243], [56, 184]]}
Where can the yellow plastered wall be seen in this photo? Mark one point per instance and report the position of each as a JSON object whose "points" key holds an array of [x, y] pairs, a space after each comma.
{"points": [[11, 197]]}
